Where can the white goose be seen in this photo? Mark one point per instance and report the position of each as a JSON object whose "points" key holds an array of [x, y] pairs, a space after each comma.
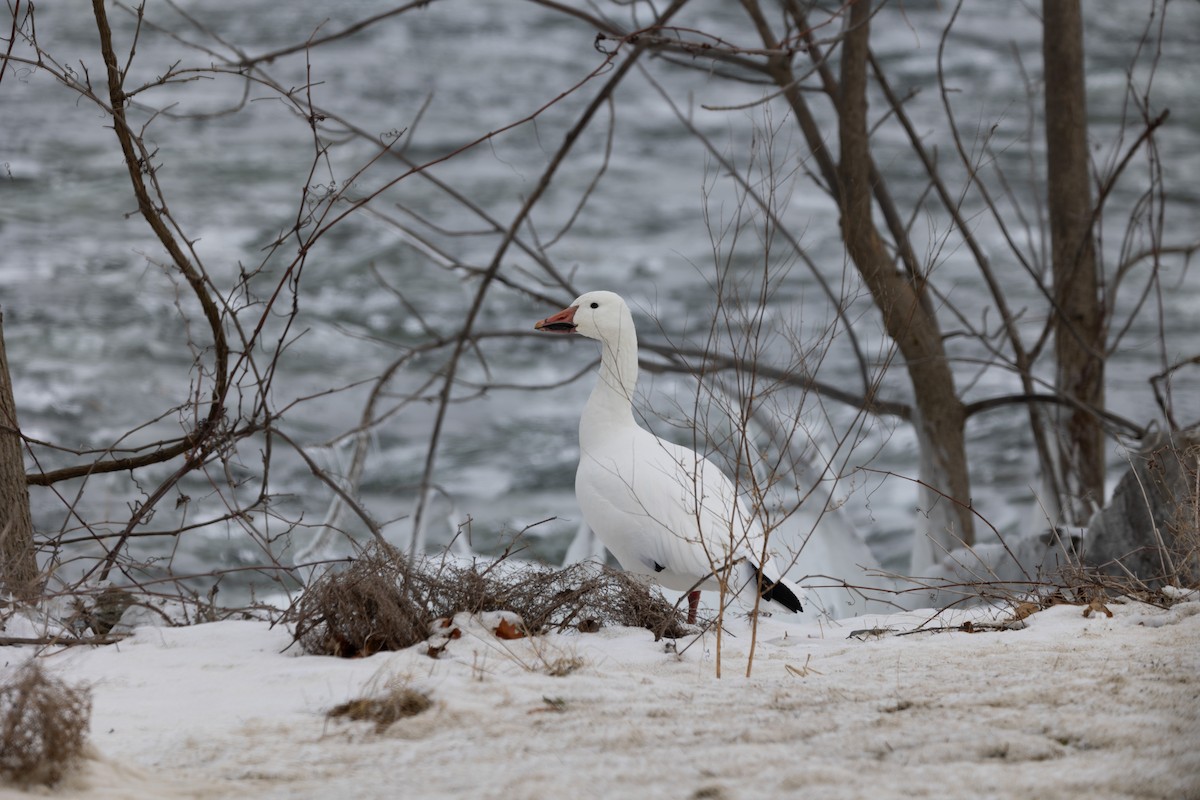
{"points": [[666, 512]]}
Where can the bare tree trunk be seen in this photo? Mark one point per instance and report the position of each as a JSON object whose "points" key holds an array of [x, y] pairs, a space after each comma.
{"points": [[908, 317], [940, 416], [1079, 313], [18, 567]]}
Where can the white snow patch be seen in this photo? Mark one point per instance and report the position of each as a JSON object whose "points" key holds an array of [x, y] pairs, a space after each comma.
{"points": [[1067, 707]]}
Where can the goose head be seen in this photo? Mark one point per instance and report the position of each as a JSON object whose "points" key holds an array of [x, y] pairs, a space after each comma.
{"points": [[596, 315]]}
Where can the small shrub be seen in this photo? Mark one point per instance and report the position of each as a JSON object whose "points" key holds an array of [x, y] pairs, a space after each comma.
{"points": [[43, 726], [583, 596], [385, 602], [368, 607]]}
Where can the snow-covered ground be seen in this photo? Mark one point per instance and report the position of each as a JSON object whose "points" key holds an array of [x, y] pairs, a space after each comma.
{"points": [[1068, 707]]}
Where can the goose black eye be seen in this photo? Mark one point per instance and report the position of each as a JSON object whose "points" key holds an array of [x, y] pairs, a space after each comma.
{"points": [[595, 305]]}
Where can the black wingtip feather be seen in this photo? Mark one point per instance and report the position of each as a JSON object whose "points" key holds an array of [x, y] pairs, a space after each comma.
{"points": [[779, 592]]}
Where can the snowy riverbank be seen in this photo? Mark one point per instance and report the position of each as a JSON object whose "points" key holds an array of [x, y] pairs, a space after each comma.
{"points": [[1069, 706]]}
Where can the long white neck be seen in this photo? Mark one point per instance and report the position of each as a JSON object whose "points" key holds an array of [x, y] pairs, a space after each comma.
{"points": [[611, 403]]}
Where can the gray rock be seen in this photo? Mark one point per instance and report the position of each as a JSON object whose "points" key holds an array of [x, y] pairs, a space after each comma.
{"points": [[1149, 529]]}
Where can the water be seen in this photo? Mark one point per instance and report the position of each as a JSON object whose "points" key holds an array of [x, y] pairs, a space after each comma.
{"points": [[93, 322]]}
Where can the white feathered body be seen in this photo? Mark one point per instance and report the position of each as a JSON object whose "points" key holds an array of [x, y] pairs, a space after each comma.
{"points": [[664, 511]]}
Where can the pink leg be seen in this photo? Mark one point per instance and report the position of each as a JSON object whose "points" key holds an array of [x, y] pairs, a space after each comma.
{"points": [[693, 604]]}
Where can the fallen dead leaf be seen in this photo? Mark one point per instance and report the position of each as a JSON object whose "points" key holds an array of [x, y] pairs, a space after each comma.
{"points": [[507, 630], [1023, 610]]}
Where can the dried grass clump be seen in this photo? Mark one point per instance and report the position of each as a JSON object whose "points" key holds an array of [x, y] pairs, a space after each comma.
{"points": [[365, 608], [384, 602], [586, 596], [399, 702], [43, 726]]}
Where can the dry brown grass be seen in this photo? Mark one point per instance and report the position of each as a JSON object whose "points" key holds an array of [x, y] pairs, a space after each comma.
{"points": [[398, 702], [365, 608], [384, 602], [43, 726]]}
